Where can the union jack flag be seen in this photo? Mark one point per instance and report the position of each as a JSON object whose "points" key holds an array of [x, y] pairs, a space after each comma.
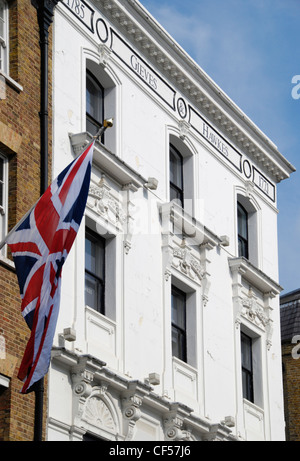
{"points": [[40, 245]]}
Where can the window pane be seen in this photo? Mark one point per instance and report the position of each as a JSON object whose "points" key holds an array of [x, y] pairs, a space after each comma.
{"points": [[243, 248], [247, 373], [92, 127], [178, 308], [94, 99], [176, 168], [90, 255], [94, 255], [246, 344], [93, 293], [242, 231], [247, 386], [1, 21], [242, 222], [176, 195], [94, 271], [178, 344], [178, 314]]}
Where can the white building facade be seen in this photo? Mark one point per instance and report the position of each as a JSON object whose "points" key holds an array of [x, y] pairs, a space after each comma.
{"points": [[169, 320]]}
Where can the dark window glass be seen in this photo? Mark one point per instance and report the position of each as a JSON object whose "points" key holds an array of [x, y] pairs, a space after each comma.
{"points": [[94, 271], [247, 369], [179, 324], [91, 438], [176, 175], [243, 231], [94, 104]]}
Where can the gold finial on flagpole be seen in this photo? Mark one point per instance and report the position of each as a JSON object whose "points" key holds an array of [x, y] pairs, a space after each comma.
{"points": [[106, 124]]}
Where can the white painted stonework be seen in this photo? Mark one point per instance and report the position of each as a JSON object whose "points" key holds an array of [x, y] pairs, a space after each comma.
{"points": [[113, 376]]}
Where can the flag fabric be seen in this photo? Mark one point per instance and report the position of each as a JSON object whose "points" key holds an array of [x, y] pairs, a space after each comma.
{"points": [[40, 246]]}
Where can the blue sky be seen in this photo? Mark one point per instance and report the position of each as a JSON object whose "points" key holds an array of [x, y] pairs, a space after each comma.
{"points": [[251, 49]]}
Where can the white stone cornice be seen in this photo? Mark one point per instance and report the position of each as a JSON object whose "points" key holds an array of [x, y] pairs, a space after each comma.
{"points": [[254, 276], [148, 36], [108, 162]]}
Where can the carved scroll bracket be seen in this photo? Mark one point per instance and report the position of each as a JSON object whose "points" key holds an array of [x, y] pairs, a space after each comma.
{"points": [[174, 423]]}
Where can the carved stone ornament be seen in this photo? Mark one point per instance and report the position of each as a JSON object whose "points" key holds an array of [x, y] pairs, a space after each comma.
{"points": [[99, 415], [184, 129], [131, 413], [102, 202], [184, 261], [257, 314], [104, 54], [132, 400], [174, 423], [253, 311]]}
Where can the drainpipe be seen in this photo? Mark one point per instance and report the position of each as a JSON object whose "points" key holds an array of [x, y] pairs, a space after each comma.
{"points": [[45, 12]]}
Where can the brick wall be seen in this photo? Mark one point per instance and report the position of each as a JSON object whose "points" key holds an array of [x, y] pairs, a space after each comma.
{"points": [[20, 142], [291, 387]]}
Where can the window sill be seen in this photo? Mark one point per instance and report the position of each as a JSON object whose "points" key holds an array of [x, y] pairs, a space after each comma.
{"points": [[185, 382], [11, 82], [7, 262], [4, 381], [254, 422]]}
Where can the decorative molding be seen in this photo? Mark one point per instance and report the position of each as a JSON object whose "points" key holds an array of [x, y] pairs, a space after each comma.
{"points": [[247, 306], [104, 54], [253, 311], [108, 162], [254, 276], [184, 129], [199, 88], [116, 211], [132, 400], [184, 260], [97, 413], [103, 203], [103, 397], [186, 253], [219, 432], [173, 423]]}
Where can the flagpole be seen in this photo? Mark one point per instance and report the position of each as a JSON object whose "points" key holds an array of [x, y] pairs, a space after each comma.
{"points": [[106, 124]]}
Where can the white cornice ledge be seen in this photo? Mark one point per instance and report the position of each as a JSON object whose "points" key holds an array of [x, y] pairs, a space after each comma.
{"points": [[254, 276], [108, 162], [201, 90], [187, 226]]}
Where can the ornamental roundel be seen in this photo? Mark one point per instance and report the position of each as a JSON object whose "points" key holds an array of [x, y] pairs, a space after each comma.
{"points": [[181, 107], [99, 415]]}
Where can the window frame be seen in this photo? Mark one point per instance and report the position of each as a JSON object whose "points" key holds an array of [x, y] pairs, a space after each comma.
{"points": [[247, 371], [4, 42], [179, 189], [243, 241], [98, 278], [180, 330], [88, 117]]}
